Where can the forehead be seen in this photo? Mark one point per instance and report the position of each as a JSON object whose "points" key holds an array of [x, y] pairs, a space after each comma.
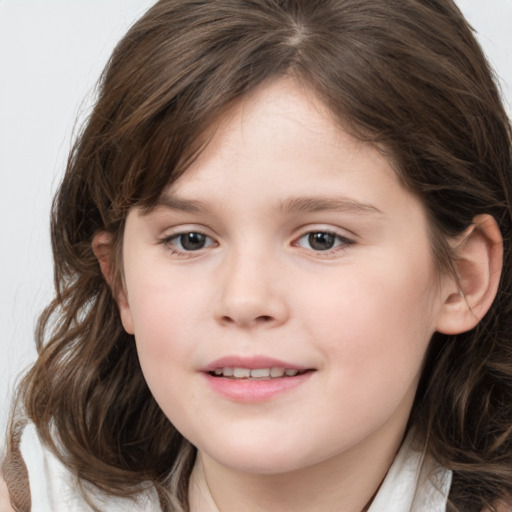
{"points": [[282, 135]]}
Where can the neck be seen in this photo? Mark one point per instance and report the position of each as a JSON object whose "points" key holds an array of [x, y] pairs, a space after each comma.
{"points": [[345, 482]]}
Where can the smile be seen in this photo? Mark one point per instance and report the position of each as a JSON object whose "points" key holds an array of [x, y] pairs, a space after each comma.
{"points": [[256, 374], [255, 383]]}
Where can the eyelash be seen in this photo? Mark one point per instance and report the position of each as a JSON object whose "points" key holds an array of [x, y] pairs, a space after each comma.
{"points": [[170, 243], [341, 242]]}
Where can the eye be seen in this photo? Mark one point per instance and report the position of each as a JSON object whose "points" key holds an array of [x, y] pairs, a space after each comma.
{"points": [[189, 242], [322, 241]]}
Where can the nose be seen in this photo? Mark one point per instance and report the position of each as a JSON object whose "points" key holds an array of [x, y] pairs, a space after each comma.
{"points": [[251, 293]]}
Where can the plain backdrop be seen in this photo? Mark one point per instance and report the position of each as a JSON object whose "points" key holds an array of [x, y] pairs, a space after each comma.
{"points": [[51, 54]]}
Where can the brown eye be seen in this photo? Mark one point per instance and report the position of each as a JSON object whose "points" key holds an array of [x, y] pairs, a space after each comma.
{"points": [[192, 241], [189, 242], [321, 241]]}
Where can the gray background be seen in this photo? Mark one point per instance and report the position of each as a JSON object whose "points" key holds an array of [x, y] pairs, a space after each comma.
{"points": [[51, 54]]}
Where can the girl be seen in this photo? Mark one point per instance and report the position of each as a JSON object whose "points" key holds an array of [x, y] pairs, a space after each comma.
{"points": [[282, 265]]}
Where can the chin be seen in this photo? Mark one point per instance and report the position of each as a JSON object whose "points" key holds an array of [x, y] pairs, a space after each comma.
{"points": [[258, 465], [266, 458]]}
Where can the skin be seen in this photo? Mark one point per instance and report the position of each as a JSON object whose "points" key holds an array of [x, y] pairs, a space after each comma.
{"points": [[359, 315], [5, 503]]}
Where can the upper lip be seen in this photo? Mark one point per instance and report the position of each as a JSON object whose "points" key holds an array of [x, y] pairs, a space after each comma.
{"points": [[251, 363]]}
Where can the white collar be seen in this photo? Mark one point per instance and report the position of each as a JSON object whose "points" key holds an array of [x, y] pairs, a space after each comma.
{"points": [[414, 483]]}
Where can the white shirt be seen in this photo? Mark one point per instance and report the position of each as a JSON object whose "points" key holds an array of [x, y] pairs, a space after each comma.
{"points": [[410, 485], [413, 484], [53, 488]]}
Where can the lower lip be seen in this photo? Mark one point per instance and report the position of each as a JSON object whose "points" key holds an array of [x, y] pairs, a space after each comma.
{"points": [[255, 390]]}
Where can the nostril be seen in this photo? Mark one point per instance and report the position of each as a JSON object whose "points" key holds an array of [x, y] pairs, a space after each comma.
{"points": [[264, 318]]}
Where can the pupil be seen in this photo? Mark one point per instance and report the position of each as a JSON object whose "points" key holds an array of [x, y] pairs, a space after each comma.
{"points": [[192, 241], [321, 241]]}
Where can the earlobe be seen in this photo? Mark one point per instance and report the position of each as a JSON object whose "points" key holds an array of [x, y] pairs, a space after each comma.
{"points": [[478, 263], [103, 250]]}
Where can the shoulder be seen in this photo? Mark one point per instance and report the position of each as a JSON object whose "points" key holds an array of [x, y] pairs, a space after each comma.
{"points": [[51, 485], [5, 500]]}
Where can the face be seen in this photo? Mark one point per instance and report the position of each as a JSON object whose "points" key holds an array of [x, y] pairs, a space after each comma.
{"points": [[283, 292]]}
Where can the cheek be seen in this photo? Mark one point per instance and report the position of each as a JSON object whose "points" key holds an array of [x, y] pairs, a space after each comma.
{"points": [[163, 314], [379, 321], [162, 303], [373, 335]]}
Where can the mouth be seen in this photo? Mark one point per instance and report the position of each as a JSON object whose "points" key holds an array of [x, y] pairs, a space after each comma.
{"points": [[253, 379], [240, 373]]}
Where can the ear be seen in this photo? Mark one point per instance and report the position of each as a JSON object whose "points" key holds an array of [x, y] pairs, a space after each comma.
{"points": [[103, 250], [478, 264]]}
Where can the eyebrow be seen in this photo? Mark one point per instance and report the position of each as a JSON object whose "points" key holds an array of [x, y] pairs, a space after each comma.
{"points": [[321, 204], [185, 205], [291, 205]]}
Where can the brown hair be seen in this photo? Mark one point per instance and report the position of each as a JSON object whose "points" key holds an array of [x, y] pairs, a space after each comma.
{"points": [[406, 75]]}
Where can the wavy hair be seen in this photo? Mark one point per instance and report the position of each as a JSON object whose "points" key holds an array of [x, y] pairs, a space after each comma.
{"points": [[405, 75]]}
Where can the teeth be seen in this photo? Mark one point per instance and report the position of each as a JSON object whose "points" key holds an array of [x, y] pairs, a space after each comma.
{"points": [[258, 373], [263, 372], [276, 372], [241, 373]]}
